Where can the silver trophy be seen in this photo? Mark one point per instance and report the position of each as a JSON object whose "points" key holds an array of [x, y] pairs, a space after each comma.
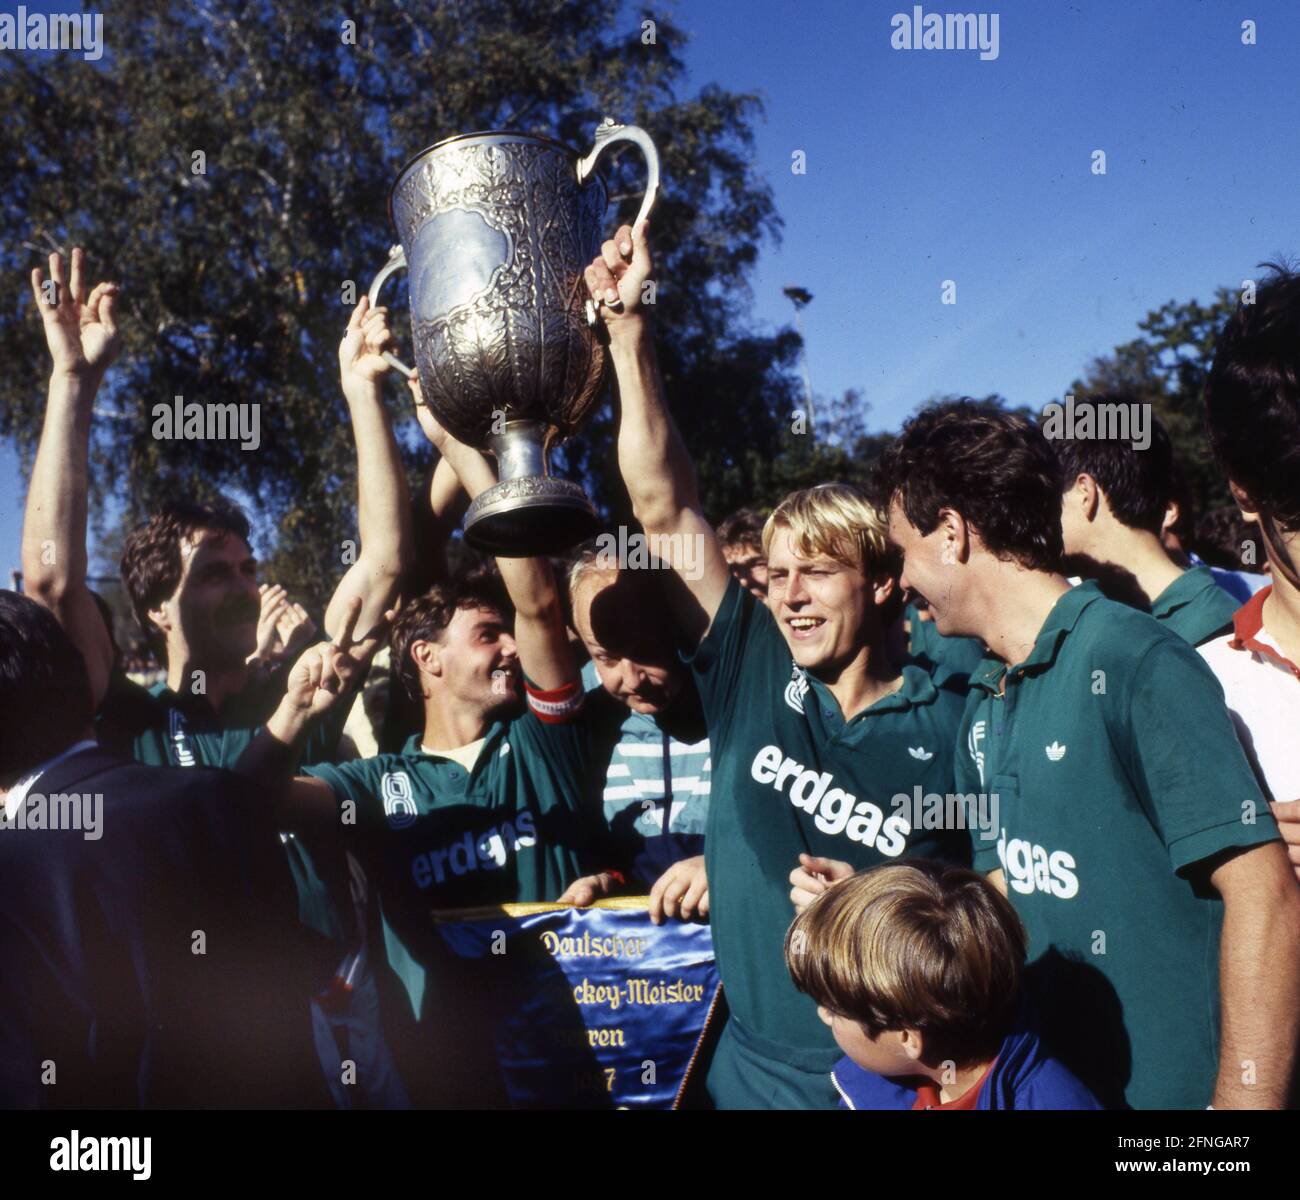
{"points": [[496, 229]]}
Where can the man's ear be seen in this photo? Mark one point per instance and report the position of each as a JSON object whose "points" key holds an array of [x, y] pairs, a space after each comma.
{"points": [[428, 657], [159, 618], [883, 588], [1249, 512], [1088, 495], [956, 534]]}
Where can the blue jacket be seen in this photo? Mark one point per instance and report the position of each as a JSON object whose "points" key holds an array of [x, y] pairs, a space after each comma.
{"points": [[1025, 1076]]}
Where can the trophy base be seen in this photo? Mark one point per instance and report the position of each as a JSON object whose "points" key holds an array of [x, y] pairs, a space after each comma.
{"points": [[530, 515]]}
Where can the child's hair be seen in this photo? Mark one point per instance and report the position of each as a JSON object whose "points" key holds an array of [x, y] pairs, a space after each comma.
{"points": [[917, 945]]}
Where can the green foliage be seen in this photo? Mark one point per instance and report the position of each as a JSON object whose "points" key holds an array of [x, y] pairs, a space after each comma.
{"points": [[1167, 367], [232, 278]]}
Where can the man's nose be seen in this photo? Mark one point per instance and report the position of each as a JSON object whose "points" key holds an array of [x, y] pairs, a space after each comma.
{"points": [[795, 591]]}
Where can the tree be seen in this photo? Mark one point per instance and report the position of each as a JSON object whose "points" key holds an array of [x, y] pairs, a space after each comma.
{"points": [[1167, 368], [228, 162]]}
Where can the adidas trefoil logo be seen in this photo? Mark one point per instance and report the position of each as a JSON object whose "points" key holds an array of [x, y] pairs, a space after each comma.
{"points": [[1055, 751], [920, 752]]}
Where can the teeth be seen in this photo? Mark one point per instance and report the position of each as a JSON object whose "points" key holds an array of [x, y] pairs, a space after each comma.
{"points": [[804, 622]]}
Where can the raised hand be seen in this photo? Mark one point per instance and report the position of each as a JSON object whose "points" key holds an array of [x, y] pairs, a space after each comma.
{"points": [[325, 673], [81, 332], [361, 353], [616, 280]]}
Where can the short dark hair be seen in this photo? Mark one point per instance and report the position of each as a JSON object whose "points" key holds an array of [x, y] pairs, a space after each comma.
{"points": [[45, 699], [1252, 397], [914, 945], [994, 467], [1137, 483], [151, 556], [426, 619], [744, 527], [1221, 535]]}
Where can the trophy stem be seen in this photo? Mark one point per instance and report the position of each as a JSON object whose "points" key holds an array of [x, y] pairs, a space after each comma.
{"points": [[529, 511]]}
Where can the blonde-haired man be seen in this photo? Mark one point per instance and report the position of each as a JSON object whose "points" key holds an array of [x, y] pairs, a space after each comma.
{"points": [[817, 738]]}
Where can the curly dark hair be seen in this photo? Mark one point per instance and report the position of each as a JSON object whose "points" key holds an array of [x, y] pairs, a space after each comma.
{"points": [[994, 467], [1222, 535], [151, 555], [1252, 397], [426, 619]]}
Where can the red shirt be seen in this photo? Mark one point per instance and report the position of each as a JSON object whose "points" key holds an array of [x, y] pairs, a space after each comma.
{"points": [[927, 1095]]}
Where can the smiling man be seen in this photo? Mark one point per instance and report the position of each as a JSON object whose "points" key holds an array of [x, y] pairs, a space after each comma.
{"points": [[1162, 917], [813, 731]]}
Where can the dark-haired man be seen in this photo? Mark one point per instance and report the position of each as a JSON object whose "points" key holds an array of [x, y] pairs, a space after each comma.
{"points": [[483, 806], [818, 740], [1134, 840], [141, 930], [1252, 402], [1112, 511], [192, 579]]}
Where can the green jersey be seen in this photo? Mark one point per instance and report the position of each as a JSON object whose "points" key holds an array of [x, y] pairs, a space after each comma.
{"points": [[1117, 774], [791, 775], [162, 728], [436, 836], [1195, 607]]}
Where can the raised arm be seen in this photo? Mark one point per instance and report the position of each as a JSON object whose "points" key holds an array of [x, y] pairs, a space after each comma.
{"points": [[540, 634], [652, 458], [83, 341], [383, 509]]}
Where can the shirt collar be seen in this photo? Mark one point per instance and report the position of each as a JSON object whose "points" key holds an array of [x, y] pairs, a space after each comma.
{"points": [[917, 688], [1248, 632], [1186, 588], [17, 794], [1060, 622]]}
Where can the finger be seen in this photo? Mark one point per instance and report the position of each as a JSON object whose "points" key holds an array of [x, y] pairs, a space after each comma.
{"points": [[358, 313], [97, 293], [77, 278], [801, 898], [690, 901], [641, 242], [624, 240], [107, 310], [704, 901], [672, 896], [1293, 853], [38, 278], [613, 258], [1286, 810], [344, 639], [602, 283], [56, 273], [657, 897]]}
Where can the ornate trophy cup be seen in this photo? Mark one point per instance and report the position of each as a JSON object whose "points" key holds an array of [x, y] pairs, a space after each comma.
{"points": [[497, 229]]}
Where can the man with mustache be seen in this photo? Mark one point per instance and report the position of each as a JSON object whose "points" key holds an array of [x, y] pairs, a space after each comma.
{"points": [[192, 579], [814, 731]]}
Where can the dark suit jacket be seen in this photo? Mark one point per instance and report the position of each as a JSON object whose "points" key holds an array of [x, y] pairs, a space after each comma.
{"points": [[101, 987]]}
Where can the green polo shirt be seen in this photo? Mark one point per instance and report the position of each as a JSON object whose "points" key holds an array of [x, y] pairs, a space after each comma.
{"points": [[791, 775], [434, 836], [940, 655], [1118, 774], [1195, 607], [162, 728]]}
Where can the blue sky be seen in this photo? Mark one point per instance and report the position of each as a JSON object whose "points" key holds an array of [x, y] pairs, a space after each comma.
{"points": [[932, 165]]}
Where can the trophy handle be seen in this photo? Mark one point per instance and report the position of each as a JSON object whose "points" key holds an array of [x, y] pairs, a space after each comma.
{"points": [[607, 133], [396, 262]]}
